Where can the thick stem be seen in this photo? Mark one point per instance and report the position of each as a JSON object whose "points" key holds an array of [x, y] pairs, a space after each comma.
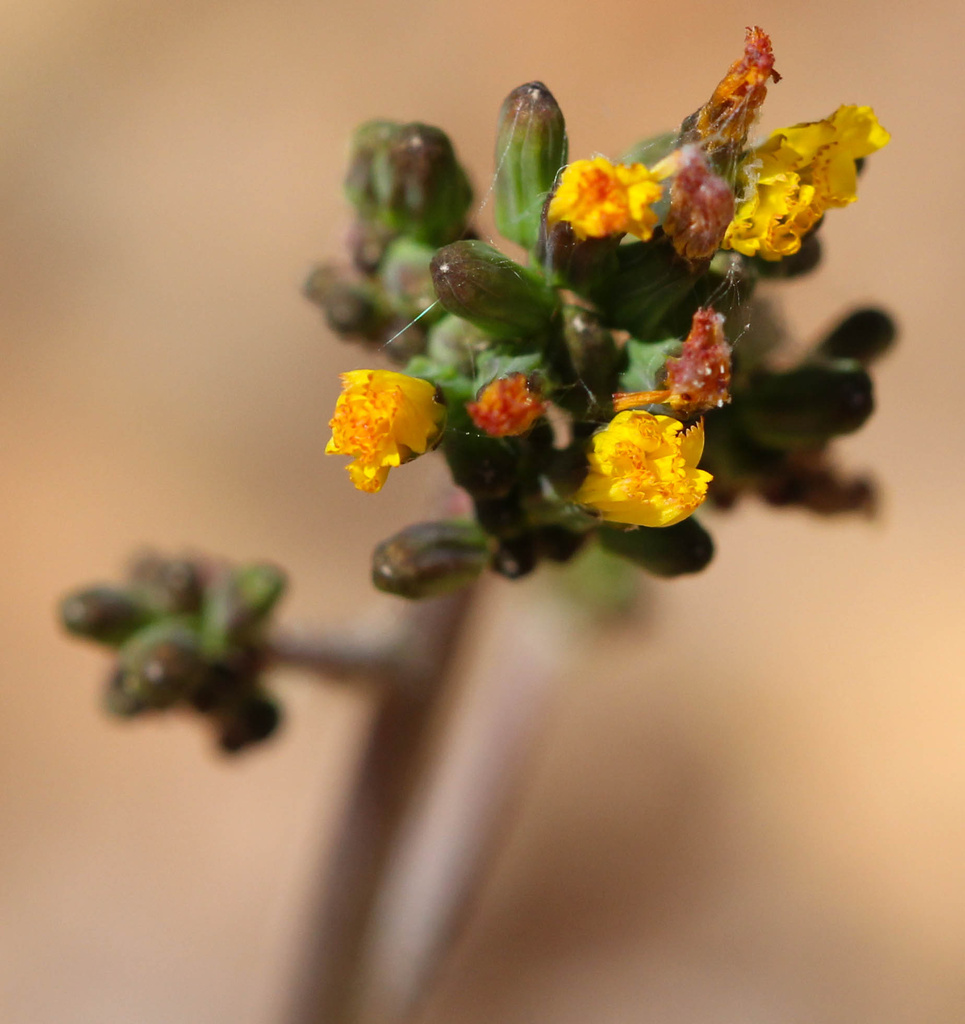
{"points": [[388, 775]]}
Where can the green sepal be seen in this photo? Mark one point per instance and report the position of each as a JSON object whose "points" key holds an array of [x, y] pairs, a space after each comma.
{"points": [[651, 150], [644, 362], [237, 603]]}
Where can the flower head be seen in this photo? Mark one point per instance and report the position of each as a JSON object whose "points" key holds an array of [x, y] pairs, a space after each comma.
{"points": [[728, 115], [796, 175], [643, 470], [697, 380], [598, 198], [383, 419], [507, 406]]}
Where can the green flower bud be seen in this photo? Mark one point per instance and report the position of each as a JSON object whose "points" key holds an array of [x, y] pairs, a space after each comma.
{"points": [[456, 343], [406, 278], [353, 308], [238, 602], [429, 559], [530, 150], [254, 720], [804, 408], [570, 262], [480, 284], [158, 666], [670, 551], [367, 241], [371, 140], [559, 544], [174, 586], [516, 556], [108, 615], [594, 358], [864, 335], [420, 188]]}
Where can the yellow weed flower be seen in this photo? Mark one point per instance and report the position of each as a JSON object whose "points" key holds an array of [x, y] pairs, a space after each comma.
{"points": [[796, 175], [643, 470], [383, 419], [598, 198]]}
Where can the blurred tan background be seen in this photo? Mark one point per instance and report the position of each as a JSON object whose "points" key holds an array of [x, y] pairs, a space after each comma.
{"points": [[749, 811]]}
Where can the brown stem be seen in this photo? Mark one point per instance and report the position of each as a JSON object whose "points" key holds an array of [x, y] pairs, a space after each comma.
{"points": [[389, 771]]}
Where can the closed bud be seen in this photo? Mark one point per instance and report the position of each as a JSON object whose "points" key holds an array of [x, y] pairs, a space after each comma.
{"points": [[174, 586], [805, 407], [108, 615], [238, 602], [370, 140], [158, 666], [516, 556], [557, 543], [456, 343], [865, 335], [671, 551], [594, 358], [255, 719], [491, 291], [354, 309], [367, 241], [571, 262], [429, 559], [406, 278], [530, 150], [420, 188]]}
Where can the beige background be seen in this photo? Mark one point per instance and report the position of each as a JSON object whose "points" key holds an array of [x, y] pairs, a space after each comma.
{"points": [[750, 811]]}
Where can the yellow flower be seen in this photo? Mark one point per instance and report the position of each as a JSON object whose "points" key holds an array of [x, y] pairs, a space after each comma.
{"points": [[383, 419], [796, 175], [643, 470], [598, 198]]}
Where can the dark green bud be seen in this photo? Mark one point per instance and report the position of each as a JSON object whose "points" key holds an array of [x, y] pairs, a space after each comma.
{"points": [[429, 559], [501, 517], [665, 551], [406, 278], [570, 262], [530, 150], [477, 282], [159, 665], [559, 544], [420, 188], [254, 720], [109, 615], [174, 586], [371, 140], [367, 241], [354, 308], [487, 467], [593, 357], [516, 556], [865, 335], [642, 296], [238, 602], [804, 408], [456, 343]]}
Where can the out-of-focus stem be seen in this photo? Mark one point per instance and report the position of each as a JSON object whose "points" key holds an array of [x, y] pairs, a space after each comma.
{"points": [[389, 770]]}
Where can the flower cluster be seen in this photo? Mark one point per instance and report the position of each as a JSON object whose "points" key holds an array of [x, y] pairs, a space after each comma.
{"points": [[187, 634], [572, 395]]}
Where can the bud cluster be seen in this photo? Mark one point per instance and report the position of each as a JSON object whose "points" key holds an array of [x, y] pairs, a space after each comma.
{"points": [[574, 393], [187, 634]]}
